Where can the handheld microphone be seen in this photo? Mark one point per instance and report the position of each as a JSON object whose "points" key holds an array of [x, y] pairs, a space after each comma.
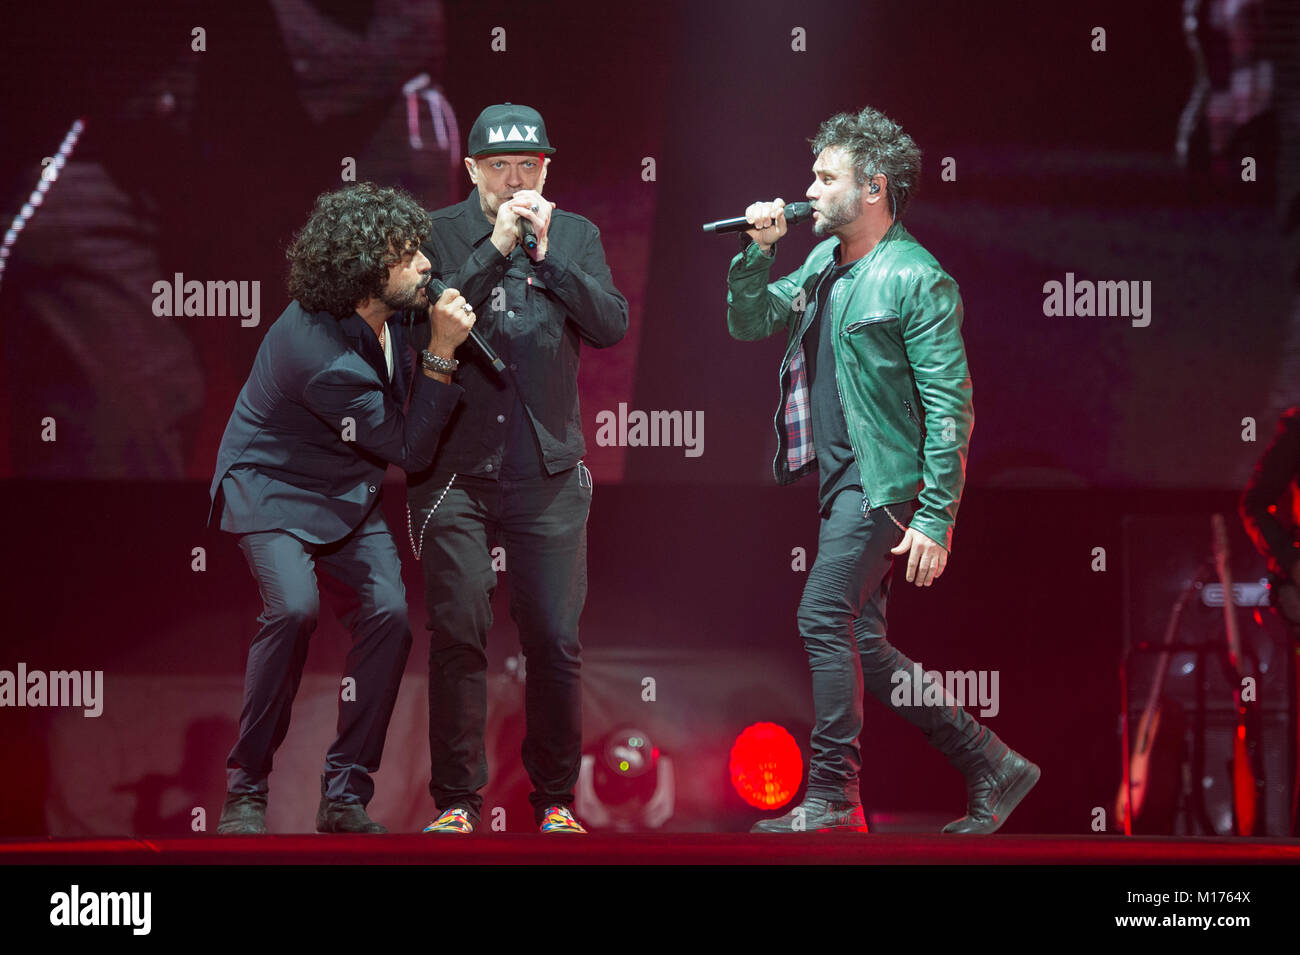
{"points": [[434, 289], [795, 212], [528, 237]]}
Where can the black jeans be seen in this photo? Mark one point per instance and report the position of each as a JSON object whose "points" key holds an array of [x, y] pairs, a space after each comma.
{"points": [[361, 576], [842, 621], [542, 525]]}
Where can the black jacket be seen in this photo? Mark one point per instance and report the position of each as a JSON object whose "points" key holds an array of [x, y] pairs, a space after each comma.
{"points": [[290, 461], [1270, 506], [544, 313]]}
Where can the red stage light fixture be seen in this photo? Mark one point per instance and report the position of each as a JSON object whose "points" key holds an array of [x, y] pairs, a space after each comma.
{"points": [[766, 765]]}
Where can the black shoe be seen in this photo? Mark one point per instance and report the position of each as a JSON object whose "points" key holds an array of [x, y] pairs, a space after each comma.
{"points": [[992, 795], [244, 814], [817, 815], [344, 817]]}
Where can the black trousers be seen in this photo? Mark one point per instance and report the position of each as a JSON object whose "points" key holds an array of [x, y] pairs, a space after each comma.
{"points": [[842, 621], [363, 580], [542, 525]]}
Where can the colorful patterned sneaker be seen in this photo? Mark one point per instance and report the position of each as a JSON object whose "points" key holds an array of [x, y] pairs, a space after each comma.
{"points": [[453, 820], [559, 819]]}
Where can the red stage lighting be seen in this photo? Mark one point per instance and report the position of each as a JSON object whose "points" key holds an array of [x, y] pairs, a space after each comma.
{"points": [[766, 765]]}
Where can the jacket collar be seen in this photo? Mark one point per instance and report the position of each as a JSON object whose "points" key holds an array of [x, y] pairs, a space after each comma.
{"points": [[357, 331], [475, 223], [892, 234], [363, 340]]}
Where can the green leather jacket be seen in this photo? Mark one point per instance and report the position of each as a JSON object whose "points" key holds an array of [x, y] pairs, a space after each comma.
{"points": [[899, 360]]}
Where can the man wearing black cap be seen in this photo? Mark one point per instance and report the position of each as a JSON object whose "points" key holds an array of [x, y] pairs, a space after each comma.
{"points": [[509, 471]]}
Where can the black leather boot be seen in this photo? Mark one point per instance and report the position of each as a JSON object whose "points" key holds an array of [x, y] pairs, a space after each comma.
{"points": [[992, 794], [817, 815], [244, 814], [343, 816]]}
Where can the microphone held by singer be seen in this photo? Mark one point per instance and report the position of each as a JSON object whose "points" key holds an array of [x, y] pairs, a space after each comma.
{"points": [[434, 289], [795, 212], [527, 235]]}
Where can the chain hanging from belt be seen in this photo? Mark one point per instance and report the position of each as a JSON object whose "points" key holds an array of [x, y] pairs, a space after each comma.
{"points": [[417, 544]]}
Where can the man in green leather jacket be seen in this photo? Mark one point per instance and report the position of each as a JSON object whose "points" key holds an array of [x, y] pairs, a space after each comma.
{"points": [[875, 397]]}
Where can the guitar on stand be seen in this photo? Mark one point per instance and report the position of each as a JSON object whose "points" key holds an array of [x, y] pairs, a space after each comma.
{"points": [[1135, 783], [1247, 756]]}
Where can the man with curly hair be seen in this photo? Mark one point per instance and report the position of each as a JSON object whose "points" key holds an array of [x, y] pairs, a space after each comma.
{"points": [[875, 397], [510, 469], [299, 474]]}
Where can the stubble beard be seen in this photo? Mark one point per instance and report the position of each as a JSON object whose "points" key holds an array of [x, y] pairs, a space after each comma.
{"points": [[840, 214]]}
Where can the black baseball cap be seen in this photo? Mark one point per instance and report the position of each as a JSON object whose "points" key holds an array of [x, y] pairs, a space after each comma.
{"points": [[507, 128]]}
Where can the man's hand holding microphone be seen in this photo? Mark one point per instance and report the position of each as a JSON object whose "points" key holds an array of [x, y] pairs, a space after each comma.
{"points": [[450, 321], [769, 223], [526, 205]]}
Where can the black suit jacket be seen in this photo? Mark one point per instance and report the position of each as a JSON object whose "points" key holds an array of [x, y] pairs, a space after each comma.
{"points": [[317, 424]]}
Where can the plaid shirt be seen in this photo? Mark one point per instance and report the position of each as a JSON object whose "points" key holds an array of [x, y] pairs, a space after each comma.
{"points": [[798, 417], [799, 450]]}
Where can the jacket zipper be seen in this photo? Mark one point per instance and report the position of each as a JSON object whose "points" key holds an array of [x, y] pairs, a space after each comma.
{"points": [[908, 405], [853, 326]]}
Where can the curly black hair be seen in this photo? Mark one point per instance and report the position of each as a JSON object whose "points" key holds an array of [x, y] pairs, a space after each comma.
{"points": [[341, 256], [878, 146]]}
